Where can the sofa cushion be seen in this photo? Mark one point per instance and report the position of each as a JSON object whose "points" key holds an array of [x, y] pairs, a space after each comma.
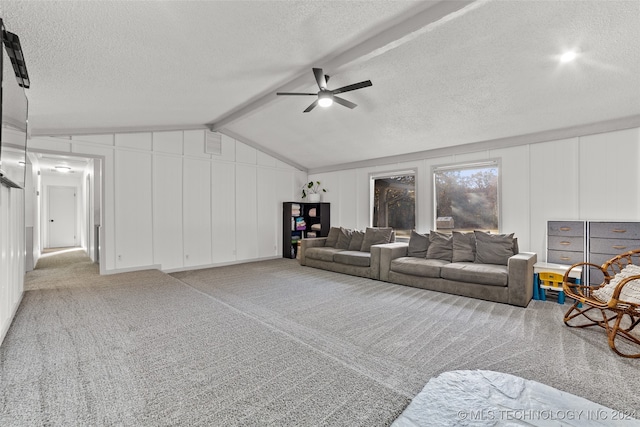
{"points": [[322, 253], [356, 240], [418, 245], [464, 247], [493, 248], [469, 272], [375, 236], [356, 258], [344, 238], [418, 266], [440, 246], [332, 237]]}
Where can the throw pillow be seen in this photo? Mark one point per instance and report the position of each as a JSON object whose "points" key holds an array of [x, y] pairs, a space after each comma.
{"points": [[440, 246], [375, 236], [356, 240], [344, 238], [464, 247], [332, 237], [418, 245], [493, 248], [631, 290]]}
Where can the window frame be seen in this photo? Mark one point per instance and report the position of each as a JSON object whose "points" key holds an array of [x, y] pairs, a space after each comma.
{"points": [[492, 162], [388, 174]]}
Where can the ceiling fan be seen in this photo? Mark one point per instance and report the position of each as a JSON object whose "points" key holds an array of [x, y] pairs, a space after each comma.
{"points": [[327, 97]]}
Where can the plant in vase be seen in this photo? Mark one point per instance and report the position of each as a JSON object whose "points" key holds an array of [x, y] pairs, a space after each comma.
{"points": [[312, 191]]}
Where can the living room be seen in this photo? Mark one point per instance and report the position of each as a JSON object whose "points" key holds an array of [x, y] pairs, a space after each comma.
{"points": [[201, 185]]}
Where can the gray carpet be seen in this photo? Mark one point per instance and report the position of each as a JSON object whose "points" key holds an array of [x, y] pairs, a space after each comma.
{"points": [[270, 343]]}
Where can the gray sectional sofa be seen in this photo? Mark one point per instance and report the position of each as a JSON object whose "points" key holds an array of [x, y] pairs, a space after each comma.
{"points": [[347, 251], [477, 265]]}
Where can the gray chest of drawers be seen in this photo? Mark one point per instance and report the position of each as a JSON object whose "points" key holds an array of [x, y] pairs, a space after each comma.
{"points": [[608, 239], [570, 242], [566, 242]]}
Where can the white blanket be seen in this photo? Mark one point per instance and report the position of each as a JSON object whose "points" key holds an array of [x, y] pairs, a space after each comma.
{"points": [[487, 398]]}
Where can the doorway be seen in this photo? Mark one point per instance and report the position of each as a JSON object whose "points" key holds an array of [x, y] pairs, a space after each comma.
{"points": [[62, 217]]}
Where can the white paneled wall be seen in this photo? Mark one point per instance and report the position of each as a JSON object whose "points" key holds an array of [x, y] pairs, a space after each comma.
{"points": [[267, 213], [246, 212], [196, 208], [223, 211], [609, 175], [167, 211], [133, 209], [168, 204], [164, 198], [12, 254], [588, 177]]}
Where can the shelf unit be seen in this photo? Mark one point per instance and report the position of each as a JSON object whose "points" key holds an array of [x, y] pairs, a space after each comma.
{"points": [[303, 220]]}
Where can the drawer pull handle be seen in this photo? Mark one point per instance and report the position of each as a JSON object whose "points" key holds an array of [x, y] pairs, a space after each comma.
{"points": [[565, 228], [565, 258], [565, 243], [618, 247], [618, 230]]}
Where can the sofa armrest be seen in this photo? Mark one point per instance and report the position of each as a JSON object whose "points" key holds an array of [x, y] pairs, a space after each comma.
{"points": [[314, 242], [389, 252], [521, 278]]}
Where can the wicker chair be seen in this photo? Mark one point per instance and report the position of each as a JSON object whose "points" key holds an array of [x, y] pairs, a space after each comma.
{"points": [[588, 310]]}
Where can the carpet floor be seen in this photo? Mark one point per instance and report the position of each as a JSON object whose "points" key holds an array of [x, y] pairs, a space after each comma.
{"points": [[270, 343]]}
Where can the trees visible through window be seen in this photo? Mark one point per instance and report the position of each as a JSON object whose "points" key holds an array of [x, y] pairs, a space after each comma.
{"points": [[466, 197], [394, 203]]}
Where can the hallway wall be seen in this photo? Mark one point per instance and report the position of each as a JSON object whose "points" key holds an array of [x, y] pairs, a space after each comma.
{"points": [[12, 258]]}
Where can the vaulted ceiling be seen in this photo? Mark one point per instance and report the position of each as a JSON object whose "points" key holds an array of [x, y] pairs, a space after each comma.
{"points": [[444, 73]]}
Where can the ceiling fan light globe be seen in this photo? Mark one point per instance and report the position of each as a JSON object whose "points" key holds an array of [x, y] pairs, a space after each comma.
{"points": [[325, 102], [325, 98]]}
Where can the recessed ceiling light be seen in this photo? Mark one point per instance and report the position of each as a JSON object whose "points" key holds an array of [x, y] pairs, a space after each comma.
{"points": [[568, 56], [63, 168]]}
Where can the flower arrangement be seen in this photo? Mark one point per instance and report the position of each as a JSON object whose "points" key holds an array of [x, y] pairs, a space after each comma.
{"points": [[312, 188]]}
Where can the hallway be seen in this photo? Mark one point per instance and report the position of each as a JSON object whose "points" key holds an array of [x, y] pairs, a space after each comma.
{"points": [[62, 268]]}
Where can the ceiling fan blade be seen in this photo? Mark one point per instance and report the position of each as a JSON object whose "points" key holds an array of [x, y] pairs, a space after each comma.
{"points": [[291, 93], [344, 102], [322, 82], [311, 107], [354, 86], [326, 78]]}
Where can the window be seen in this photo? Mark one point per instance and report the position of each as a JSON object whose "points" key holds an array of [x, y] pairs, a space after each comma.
{"points": [[394, 202], [466, 197]]}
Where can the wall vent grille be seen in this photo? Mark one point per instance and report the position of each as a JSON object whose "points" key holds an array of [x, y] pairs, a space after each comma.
{"points": [[213, 143]]}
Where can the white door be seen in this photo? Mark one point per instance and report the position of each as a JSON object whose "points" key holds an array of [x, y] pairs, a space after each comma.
{"points": [[62, 217]]}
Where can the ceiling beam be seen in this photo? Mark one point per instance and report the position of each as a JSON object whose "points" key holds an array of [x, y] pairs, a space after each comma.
{"points": [[108, 130], [427, 15], [262, 148]]}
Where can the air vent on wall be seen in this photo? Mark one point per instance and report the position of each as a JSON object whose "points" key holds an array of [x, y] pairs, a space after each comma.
{"points": [[213, 143]]}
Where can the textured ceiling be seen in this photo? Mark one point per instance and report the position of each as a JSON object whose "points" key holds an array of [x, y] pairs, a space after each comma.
{"points": [[487, 70]]}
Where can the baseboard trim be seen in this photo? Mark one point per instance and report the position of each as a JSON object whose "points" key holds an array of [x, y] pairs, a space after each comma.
{"points": [[12, 317], [131, 269], [218, 264]]}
